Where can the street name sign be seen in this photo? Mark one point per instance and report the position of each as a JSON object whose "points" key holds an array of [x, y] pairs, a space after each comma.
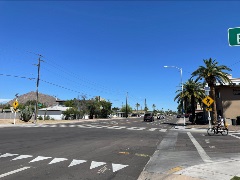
{"points": [[208, 101], [234, 36]]}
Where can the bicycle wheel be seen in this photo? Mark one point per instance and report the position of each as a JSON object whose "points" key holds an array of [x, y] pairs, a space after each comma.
{"points": [[224, 131], [211, 131]]}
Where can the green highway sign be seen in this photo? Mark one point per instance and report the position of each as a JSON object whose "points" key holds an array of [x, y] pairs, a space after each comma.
{"points": [[234, 36]]}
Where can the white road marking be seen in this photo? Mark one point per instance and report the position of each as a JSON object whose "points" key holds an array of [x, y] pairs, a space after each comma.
{"points": [[62, 125], [54, 125], [116, 167], [8, 155], [116, 127], [95, 164], [234, 136], [76, 162], [39, 158], [56, 160], [136, 128], [163, 130], [152, 129], [199, 148], [14, 171], [207, 141], [22, 157]]}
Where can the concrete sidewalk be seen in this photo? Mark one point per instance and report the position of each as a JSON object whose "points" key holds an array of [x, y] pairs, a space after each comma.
{"points": [[224, 169], [199, 127]]}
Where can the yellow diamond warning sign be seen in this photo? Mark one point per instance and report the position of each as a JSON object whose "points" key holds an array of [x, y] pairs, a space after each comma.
{"points": [[208, 100], [15, 104]]}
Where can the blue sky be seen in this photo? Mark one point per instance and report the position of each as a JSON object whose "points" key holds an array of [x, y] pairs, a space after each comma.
{"points": [[109, 48]]}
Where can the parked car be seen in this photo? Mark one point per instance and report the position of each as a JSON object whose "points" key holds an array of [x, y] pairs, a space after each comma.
{"points": [[201, 118], [148, 117]]}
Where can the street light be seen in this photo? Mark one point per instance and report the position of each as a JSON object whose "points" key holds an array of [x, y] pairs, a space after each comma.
{"points": [[180, 69]]}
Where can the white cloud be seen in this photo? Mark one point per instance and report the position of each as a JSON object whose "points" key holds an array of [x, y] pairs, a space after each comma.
{"points": [[4, 100]]}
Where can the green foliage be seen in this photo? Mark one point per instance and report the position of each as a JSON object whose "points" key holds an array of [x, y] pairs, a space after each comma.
{"points": [[70, 103], [129, 109], [71, 113], [26, 113], [212, 73], [235, 178]]}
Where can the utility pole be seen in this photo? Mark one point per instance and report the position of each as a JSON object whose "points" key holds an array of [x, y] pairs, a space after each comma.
{"points": [[37, 84], [126, 106]]}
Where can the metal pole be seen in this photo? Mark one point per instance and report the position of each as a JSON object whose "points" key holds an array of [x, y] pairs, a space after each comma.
{"points": [[183, 113], [126, 106]]}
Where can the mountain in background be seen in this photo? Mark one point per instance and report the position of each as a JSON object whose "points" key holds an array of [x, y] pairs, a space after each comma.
{"points": [[31, 96]]}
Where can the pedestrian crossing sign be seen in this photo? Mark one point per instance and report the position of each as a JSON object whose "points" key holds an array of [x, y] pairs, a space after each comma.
{"points": [[208, 101]]}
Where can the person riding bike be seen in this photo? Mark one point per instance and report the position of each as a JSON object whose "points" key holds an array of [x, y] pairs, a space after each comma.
{"points": [[220, 123]]}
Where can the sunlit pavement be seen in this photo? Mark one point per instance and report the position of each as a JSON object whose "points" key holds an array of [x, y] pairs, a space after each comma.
{"points": [[161, 165]]}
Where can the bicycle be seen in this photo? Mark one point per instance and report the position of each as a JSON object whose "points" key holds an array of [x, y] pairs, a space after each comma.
{"points": [[217, 129]]}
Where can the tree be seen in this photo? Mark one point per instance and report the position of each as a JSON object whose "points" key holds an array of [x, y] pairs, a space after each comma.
{"points": [[193, 92], [137, 105], [129, 109], [153, 106], [212, 73]]}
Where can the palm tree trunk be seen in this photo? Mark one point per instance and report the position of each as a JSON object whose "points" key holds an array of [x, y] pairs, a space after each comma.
{"points": [[214, 106], [193, 108]]}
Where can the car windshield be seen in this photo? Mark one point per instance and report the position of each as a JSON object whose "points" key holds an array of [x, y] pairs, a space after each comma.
{"points": [[147, 114]]}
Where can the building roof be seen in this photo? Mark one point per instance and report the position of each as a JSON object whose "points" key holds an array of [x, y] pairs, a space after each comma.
{"points": [[54, 108]]}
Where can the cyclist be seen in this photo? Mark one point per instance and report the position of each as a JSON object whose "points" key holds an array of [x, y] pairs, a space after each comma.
{"points": [[220, 123]]}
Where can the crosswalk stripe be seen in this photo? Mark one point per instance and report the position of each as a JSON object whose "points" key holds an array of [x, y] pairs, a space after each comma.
{"points": [[99, 127], [152, 129], [136, 128]]}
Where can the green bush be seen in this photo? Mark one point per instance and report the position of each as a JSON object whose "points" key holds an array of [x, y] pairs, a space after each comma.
{"points": [[235, 178], [26, 113]]}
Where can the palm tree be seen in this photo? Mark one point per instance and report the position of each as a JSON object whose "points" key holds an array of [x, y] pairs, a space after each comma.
{"points": [[153, 106], [193, 92], [212, 73], [137, 105]]}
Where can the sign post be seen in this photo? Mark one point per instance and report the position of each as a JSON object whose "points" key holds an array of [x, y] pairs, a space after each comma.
{"points": [[234, 36], [208, 101], [15, 106]]}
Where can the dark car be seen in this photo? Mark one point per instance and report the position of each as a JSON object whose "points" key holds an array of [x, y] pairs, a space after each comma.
{"points": [[148, 117], [201, 118], [179, 115]]}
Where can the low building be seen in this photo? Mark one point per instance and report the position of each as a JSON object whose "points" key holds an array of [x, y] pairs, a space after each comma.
{"points": [[54, 112], [228, 99]]}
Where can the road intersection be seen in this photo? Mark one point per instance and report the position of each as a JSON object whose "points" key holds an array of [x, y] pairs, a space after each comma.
{"points": [[117, 149]]}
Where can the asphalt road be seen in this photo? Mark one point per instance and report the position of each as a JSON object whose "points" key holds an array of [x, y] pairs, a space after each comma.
{"points": [[114, 149], [111, 149]]}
